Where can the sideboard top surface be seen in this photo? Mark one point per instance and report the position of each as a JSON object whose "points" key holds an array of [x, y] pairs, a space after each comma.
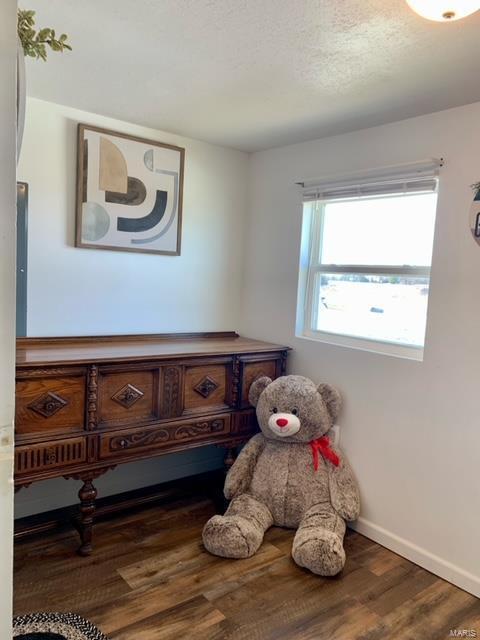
{"points": [[68, 350]]}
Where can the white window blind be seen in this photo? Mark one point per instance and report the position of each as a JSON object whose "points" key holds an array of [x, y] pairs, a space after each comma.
{"points": [[418, 177]]}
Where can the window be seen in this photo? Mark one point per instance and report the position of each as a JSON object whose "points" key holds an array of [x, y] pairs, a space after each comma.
{"points": [[365, 264]]}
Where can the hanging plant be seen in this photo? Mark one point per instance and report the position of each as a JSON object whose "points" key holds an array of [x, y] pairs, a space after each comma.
{"points": [[476, 188], [35, 43]]}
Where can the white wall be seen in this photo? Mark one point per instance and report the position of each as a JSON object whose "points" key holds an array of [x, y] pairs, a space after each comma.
{"points": [[410, 428], [8, 50], [75, 291]]}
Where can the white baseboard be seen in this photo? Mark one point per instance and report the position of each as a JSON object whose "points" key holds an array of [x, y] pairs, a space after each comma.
{"points": [[440, 567]]}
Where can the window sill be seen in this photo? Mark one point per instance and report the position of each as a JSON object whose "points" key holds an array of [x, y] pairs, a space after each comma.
{"points": [[365, 344]]}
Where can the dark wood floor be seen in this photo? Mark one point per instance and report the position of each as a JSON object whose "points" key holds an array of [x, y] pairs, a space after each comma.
{"points": [[151, 579]]}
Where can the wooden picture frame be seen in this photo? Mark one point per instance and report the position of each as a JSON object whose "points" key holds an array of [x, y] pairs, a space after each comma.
{"points": [[129, 193]]}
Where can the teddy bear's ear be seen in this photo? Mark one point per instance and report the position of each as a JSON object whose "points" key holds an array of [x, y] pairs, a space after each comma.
{"points": [[332, 399], [257, 388]]}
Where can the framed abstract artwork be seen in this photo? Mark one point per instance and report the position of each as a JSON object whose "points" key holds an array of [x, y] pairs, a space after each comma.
{"points": [[475, 213], [129, 192]]}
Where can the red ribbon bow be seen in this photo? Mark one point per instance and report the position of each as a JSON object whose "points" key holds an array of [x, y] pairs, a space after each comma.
{"points": [[322, 446]]}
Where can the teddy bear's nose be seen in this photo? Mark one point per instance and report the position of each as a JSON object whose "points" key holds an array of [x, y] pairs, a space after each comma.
{"points": [[282, 422]]}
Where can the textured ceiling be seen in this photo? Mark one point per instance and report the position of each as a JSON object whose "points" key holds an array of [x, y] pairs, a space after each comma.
{"points": [[253, 74]]}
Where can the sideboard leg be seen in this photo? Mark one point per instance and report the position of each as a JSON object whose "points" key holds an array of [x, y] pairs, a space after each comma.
{"points": [[229, 458], [87, 495]]}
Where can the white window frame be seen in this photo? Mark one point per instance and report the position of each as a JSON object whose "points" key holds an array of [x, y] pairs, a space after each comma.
{"points": [[311, 268]]}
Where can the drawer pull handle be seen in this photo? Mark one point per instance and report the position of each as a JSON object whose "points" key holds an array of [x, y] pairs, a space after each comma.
{"points": [[123, 443]]}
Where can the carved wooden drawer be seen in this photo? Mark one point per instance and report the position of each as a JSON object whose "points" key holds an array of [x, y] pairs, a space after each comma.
{"points": [[254, 370], [206, 388], [49, 404], [132, 442], [41, 457], [127, 396]]}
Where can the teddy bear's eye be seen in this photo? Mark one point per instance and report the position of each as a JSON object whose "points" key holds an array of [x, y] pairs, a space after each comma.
{"points": [[274, 410], [294, 412]]}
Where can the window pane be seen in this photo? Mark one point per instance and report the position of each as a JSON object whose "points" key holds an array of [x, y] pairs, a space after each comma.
{"points": [[396, 230], [385, 308]]}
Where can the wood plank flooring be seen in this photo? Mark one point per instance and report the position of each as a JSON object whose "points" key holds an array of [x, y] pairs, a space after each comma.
{"points": [[150, 579]]}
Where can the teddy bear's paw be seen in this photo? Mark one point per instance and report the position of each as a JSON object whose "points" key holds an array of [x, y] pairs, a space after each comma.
{"points": [[231, 537], [321, 552]]}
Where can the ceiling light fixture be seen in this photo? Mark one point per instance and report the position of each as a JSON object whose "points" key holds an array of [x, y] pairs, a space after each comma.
{"points": [[444, 10]]}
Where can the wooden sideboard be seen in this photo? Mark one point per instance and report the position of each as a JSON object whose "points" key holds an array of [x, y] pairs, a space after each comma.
{"points": [[85, 405]]}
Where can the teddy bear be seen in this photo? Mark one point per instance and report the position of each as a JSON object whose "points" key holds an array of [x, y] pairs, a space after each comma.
{"points": [[289, 475]]}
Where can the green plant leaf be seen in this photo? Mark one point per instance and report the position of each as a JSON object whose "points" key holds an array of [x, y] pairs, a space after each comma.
{"points": [[34, 43], [43, 34]]}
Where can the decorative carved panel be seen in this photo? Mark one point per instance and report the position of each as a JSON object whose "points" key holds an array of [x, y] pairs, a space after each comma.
{"points": [[59, 454], [138, 439], [245, 422], [235, 381], [198, 429], [92, 397], [48, 404], [171, 392], [283, 364], [206, 386], [127, 396]]}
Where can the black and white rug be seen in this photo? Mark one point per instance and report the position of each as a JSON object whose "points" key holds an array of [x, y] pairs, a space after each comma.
{"points": [[54, 626]]}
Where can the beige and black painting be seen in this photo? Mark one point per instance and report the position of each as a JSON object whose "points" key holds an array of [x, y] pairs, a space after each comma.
{"points": [[129, 192], [475, 215]]}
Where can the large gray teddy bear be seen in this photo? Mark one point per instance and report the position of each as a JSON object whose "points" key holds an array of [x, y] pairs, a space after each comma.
{"points": [[289, 475]]}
